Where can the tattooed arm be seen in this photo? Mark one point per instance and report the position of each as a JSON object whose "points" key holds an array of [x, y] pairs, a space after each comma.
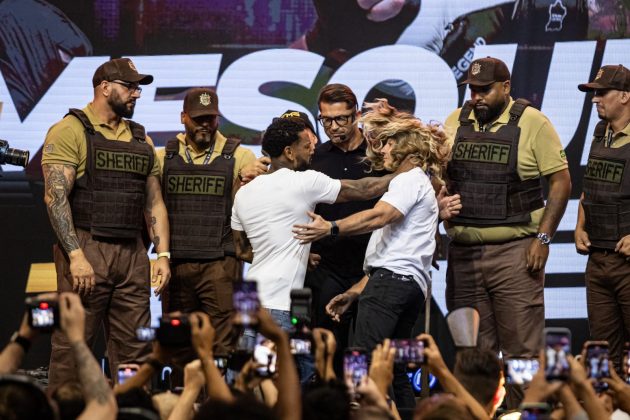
{"points": [[99, 398], [157, 221], [58, 181]]}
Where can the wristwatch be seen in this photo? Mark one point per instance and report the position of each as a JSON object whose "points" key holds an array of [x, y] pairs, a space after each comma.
{"points": [[23, 342], [543, 238], [334, 229]]}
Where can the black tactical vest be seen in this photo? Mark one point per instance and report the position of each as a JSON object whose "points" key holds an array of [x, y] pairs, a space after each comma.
{"points": [[109, 199], [199, 203], [606, 188], [483, 170]]}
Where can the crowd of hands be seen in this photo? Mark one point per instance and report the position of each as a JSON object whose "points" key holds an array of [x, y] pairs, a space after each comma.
{"points": [[205, 386]]}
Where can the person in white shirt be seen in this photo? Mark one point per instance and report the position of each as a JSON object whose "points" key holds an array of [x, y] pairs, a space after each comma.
{"points": [[266, 208], [403, 225]]}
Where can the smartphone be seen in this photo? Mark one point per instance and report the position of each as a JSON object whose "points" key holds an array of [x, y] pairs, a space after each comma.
{"points": [[265, 358], [43, 314], [126, 371], [521, 371], [597, 363], [355, 366], [557, 348], [221, 362], [246, 303], [409, 351], [626, 362], [302, 345]]}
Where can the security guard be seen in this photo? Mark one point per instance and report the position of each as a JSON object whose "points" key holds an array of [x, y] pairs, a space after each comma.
{"points": [[201, 170], [101, 184], [603, 226], [500, 239]]}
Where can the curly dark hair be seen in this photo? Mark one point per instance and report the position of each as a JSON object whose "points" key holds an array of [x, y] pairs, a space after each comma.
{"points": [[281, 133]]}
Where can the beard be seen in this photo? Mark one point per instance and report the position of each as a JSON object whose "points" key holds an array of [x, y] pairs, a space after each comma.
{"points": [[486, 113], [201, 138], [121, 108]]}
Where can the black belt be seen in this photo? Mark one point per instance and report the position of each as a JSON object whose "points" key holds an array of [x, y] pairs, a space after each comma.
{"points": [[403, 277]]}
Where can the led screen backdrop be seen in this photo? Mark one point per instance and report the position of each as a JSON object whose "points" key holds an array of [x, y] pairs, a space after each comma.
{"points": [[267, 56]]}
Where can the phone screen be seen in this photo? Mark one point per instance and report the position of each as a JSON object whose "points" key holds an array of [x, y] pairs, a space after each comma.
{"points": [[125, 373], [42, 317], [145, 334], [300, 346], [245, 302], [355, 366], [521, 371], [410, 352], [557, 348], [597, 365], [265, 358]]}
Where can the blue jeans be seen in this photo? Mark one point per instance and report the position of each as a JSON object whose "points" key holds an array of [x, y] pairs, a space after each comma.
{"points": [[304, 362]]}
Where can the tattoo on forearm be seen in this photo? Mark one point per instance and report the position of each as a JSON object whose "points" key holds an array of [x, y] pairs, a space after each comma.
{"points": [[58, 183], [153, 221], [92, 380], [156, 241]]}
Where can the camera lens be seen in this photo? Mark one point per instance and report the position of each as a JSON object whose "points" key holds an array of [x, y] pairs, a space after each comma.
{"points": [[15, 157]]}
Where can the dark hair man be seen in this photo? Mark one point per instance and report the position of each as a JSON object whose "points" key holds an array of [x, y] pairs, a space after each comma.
{"points": [[340, 258], [101, 184], [201, 170], [266, 208], [603, 226], [500, 239], [479, 371]]}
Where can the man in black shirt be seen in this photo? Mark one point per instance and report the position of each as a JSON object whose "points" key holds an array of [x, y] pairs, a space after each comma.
{"points": [[340, 259]]}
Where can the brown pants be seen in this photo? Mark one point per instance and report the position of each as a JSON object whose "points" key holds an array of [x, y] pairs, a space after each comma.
{"points": [[119, 303], [493, 278], [608, 300], [206, 287]]}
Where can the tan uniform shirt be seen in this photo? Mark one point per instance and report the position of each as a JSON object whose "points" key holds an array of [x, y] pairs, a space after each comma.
{"points": [[540, 153], [620, 138], [65, 141], [242, 155]]}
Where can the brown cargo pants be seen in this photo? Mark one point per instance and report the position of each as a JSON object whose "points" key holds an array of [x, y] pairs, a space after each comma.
{"points": [[119, 303]]}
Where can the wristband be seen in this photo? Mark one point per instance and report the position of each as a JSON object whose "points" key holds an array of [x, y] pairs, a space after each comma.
{"points": [[334, 229], [23, 342], [164, 254], [155, 364]]}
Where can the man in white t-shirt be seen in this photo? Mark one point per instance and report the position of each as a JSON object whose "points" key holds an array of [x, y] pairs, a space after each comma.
{"points": [[266, 208], [403, 225]]}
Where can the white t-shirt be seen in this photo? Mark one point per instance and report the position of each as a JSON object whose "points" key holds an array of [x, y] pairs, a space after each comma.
{"points": [[406, 247], [266, 210]]}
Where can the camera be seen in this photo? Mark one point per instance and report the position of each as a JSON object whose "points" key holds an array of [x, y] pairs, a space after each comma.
{"points": [[301, 339], [43, 314], [174, 331], [12, 156]]}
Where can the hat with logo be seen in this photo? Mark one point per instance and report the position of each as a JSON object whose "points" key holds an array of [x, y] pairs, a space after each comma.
{"points": [[201, 101], [485, 71], [609, 77], [299, 116], [121, 69]]}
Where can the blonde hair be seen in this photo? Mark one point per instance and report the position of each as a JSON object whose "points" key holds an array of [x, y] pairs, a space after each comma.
{"points": [[427, 144]]}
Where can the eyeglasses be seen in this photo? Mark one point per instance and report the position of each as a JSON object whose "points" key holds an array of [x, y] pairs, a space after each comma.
{"points": [[341, 120], [131, 87]]}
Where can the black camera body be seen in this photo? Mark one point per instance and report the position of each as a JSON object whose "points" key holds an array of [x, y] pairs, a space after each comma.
{"points": [[12, 156], [301, 338], [174, 331], [43, 314]]}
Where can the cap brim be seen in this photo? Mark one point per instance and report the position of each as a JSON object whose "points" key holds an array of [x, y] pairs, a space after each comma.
{"points": [[475, 82], [589, 87], [141, 79], [200, 113]]}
